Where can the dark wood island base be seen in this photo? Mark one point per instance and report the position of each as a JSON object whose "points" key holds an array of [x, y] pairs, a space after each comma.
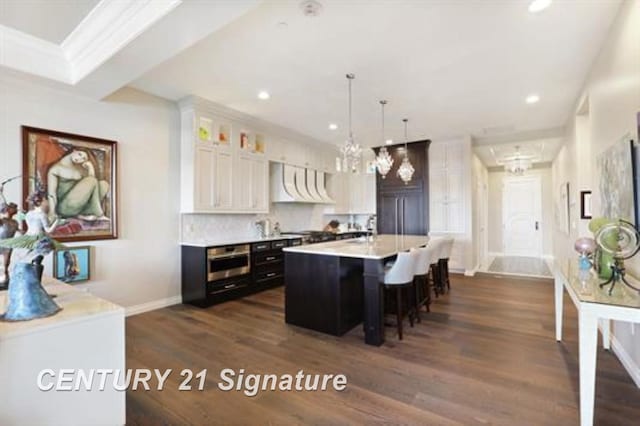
{"points": [[332, 287], [323, 293]]}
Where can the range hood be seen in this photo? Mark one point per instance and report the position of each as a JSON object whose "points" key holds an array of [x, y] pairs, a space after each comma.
{"points": [[312, 187], [321, 185], [291, 184]]}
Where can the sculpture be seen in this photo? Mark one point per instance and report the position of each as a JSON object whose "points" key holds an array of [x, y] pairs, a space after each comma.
{"points": [[27, 298], [8, 228]]}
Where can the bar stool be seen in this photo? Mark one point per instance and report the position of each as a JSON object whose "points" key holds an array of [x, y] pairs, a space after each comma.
{"points": [[421, 277], [437, 246], [398, 279], [443, 263]]}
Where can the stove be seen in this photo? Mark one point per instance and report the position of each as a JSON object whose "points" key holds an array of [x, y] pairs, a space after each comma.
{"points": [[312, 237]]}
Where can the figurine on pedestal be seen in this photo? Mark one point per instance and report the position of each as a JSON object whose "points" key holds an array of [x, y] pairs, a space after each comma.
{"points": [[27, 298], [8, 228]]}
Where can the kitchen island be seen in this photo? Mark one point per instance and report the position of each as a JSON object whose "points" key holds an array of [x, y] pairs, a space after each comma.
{"points": [[332, 287]]}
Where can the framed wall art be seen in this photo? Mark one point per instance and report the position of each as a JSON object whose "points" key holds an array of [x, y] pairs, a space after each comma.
{"points": [[616, 170], [585, 205], [72, 265], [78, 174]]}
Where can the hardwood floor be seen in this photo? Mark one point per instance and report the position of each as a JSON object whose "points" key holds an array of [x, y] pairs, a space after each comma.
{"points": [[486, 354]]}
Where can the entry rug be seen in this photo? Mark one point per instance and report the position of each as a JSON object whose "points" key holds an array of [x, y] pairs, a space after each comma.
{"points": [[520, 265]]}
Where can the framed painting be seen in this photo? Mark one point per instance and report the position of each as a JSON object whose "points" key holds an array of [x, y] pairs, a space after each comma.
{"points": [[78, 175], [616, 170], [585, 205], [72, 265]]}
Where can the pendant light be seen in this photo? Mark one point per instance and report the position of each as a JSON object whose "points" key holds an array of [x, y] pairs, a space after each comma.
{"points": [[518, 164], [351, 151], [406, 170], [384, 161]]}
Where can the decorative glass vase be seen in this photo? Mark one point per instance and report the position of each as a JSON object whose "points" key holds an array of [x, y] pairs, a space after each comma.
{"points": [[604, 262]]}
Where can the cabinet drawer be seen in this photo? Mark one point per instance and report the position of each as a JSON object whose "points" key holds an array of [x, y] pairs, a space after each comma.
{"points": [[279, 244], [296, 242], [269, 275], [261, 246], [268, 258], [218, 287]]}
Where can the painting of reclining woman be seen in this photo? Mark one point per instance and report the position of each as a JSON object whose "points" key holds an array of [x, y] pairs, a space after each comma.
{"points": [[78, 174]]}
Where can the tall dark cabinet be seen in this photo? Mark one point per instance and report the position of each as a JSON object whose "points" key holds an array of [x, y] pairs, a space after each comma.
{"points": [[404, 208]]}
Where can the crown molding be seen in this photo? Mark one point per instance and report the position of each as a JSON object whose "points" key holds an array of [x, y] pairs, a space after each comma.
{"points": [[33, 55], [109, 27]]}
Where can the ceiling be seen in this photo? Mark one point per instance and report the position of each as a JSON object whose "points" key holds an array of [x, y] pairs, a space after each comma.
{"points": [[542, 150], [452, 67], [50, 20]]}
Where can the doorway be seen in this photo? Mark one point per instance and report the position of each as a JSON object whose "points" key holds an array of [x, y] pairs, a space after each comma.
{"points": [[522, 216]]}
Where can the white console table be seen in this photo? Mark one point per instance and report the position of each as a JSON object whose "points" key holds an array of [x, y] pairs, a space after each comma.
{"points": [[87, 334], [594, 305]]}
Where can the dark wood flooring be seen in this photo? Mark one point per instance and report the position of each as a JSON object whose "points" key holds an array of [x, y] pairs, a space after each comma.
{"points": [[486, 354]]}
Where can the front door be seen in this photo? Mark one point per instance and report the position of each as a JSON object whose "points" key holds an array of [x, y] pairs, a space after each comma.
{"points": [[521, 207]]}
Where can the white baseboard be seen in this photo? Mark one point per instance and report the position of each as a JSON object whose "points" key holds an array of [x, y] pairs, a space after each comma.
{"points": [[471, 272], [628, 363], [501, 254], [153, 305]]}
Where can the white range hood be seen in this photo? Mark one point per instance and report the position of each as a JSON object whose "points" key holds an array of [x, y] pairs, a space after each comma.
{"points": [[312, 187], [291, 184], [321, 185]]}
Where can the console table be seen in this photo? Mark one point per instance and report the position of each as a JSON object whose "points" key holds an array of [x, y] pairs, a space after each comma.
{"points": [[594, 305], [88, 333]]}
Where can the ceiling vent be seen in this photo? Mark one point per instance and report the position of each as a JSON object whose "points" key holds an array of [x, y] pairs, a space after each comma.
{"points": [[310, 8]]}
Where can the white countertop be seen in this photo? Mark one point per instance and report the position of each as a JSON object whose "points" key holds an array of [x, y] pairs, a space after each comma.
{"points": [[384, 246], [77, 305], [237, 240]]}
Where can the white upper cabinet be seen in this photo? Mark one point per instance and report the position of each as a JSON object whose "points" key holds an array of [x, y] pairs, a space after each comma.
{"points": [[224, 166], [225, 159], [447, 174], [223, 179]]}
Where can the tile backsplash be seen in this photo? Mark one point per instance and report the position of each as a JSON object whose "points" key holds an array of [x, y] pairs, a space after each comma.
{"points": [[292, 217], [196, 228]]}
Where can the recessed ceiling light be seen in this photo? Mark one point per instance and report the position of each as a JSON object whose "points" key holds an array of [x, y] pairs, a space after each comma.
{"points": [[333, 126], [532, 99], [389, 141], [264, 95], [539, 5]]}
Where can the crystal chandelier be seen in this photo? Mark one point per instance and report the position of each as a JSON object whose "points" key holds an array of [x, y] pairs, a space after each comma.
{"points": [[351, 151], [406, 170], [384, 161], [518, 164]]}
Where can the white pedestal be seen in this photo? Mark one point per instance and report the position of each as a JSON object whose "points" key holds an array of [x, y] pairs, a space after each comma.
{"points": [[87, 334]]}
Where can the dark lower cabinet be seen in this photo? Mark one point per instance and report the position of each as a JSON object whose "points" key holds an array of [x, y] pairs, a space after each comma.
{"points": [[267, 271], [404, 208], [267, 266]]}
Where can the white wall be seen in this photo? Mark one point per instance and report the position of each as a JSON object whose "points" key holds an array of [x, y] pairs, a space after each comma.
{"points": [[143, 264], [612, 96], [495, 210]]}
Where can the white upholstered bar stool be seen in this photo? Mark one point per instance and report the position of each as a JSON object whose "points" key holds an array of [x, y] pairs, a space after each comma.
{"points": [[421, 278], [398, 279]]}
